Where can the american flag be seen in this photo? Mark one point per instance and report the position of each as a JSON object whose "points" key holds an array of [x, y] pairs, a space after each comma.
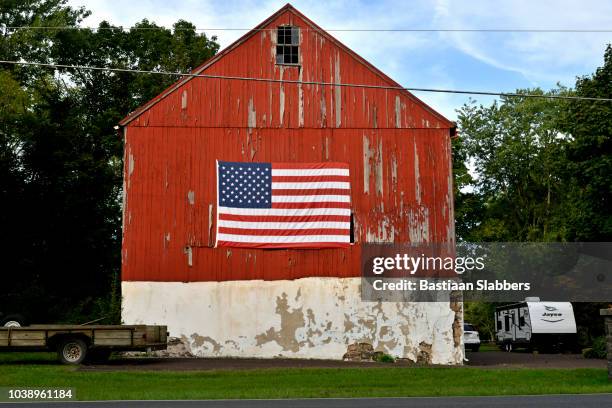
{"points": [[283, 205]]}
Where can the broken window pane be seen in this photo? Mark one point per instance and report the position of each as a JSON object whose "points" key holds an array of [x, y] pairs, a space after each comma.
{"points": [[295, 36], [287, 45]]}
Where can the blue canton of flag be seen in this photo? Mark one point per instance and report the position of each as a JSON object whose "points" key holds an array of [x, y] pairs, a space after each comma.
{"points": [[245, 185]]}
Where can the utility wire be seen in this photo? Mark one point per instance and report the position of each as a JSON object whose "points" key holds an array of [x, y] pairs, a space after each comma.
{"points": [[298, 82], [415, 30]]}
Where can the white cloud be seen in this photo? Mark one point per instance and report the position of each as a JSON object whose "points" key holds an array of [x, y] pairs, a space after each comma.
{"points": [[534, 58], [547, 57]]}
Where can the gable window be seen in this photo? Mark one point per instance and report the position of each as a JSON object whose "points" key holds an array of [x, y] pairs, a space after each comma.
{"points": [[287, 45]]}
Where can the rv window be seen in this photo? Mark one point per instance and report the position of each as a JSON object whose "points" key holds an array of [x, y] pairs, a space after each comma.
{"points": [[507, 323], [499, 325], [521, 321]]}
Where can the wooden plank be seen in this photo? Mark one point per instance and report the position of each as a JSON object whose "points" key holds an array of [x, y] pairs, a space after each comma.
{"points": [[113, 334], [112, 342], [27, 342], [36, 335]]}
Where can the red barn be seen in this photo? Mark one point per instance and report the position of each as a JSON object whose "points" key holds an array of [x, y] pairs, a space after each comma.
{"points": [[289, 302]]}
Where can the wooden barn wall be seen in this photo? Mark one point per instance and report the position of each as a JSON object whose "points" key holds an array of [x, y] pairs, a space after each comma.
{"points": [[401, 191], [399, 152]]}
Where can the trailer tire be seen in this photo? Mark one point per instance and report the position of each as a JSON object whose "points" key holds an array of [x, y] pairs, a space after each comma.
{"points": [[72, 351]]}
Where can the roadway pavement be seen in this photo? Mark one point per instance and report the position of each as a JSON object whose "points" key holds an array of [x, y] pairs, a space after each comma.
{"points": [[538, 401]]}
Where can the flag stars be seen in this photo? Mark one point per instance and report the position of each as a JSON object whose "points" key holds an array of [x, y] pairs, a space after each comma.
{"points": [[246, 185]]}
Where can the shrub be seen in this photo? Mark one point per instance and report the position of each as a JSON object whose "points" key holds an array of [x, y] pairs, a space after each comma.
{"points": [[384, 358], [597, 350]]}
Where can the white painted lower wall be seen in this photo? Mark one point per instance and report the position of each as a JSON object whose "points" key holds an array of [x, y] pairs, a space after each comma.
{"points": [[303, 318]]}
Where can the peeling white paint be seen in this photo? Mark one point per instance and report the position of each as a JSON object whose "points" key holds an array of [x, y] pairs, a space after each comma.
{"points": [[394, 172], [418, 224], [303, 318], [281, 96], [338, 91], [398, 113], [210, 225], [372, 161], [417, 175], [191, 197], [184, 100], [131, 162], [367, 156], [189, 252], [300, 100], [252, 115]]}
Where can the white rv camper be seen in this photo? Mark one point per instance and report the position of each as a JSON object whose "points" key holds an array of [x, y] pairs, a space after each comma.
{"points": [[535, 324]]}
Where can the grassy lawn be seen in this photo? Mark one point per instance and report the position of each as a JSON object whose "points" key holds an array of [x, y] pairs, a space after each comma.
{"points": [[297, 383]]}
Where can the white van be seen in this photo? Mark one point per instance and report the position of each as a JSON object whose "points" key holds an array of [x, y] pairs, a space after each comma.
{"points": [[535, 324]]}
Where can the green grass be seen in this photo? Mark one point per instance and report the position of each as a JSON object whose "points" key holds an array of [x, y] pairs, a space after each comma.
{"points": [[26, 371], [489, 347]]}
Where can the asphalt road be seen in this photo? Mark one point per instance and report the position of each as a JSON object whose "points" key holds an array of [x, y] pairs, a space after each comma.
{"points": [[539, 401]]}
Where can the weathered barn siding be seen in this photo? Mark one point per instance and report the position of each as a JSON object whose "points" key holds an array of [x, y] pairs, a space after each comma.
{"points": [[401, 189]]}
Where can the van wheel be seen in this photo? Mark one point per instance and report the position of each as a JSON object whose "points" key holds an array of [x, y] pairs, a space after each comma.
{"points": [[72, 351]]}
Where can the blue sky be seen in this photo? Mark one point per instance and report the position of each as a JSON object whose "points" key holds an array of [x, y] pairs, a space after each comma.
{"points": [[475, 61]]}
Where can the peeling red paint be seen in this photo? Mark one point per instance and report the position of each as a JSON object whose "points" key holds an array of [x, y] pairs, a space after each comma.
{"points": [[398, 149]]}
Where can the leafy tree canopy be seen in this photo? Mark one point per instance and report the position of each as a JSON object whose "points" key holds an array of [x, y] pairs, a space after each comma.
{"points": [[61, 159]]}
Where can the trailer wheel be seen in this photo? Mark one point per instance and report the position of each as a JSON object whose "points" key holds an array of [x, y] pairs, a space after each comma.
{"points": [[72, 351]]}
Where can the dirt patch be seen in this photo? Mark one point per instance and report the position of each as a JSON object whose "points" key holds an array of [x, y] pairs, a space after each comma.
{"points": [[209, 364], [483, 360], [501, 359]]}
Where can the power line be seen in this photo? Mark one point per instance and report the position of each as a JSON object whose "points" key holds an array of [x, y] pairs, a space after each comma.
{"points": [[415, 30], [297, 82]]}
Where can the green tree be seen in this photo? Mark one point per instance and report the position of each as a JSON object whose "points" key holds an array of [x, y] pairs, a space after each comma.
{"points": [[481, 315], [513, 147], [61, 159], [542, 171], [588, 204]]}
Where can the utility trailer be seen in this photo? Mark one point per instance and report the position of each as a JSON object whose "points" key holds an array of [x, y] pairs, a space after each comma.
{"points": [[75, 344], [535, 325]]}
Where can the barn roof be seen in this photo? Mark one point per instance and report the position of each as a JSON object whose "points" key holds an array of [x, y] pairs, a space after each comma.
{"points": [[287, 8]]}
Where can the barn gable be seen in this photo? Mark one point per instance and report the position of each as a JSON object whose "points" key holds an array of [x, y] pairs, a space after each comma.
{"points": [[295, 104]]}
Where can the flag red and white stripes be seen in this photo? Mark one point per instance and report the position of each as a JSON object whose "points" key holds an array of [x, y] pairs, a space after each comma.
{"points": [[283, 205]]}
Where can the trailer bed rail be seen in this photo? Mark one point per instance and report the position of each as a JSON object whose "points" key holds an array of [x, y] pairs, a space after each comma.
{"points": [[75, 343]]}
